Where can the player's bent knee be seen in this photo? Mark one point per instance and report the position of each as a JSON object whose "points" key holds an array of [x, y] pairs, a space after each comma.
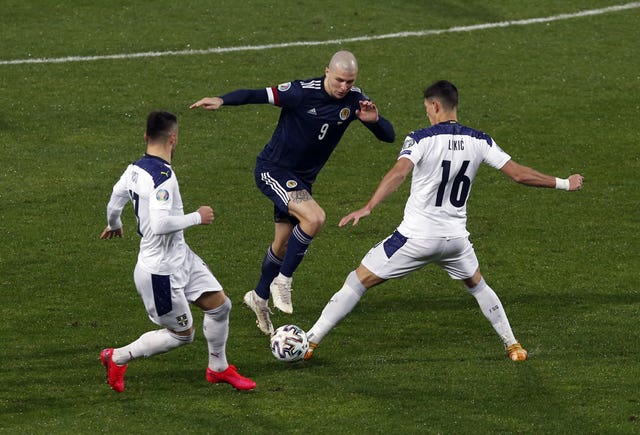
{"points": [[225, 307], [184, 337], [220, 312], [315, 223], [321, 218]]}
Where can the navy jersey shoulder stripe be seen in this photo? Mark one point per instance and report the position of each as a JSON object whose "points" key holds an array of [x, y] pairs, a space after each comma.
{"points": [[451, 128], [158, 168], [359, 91], [311, 83]]}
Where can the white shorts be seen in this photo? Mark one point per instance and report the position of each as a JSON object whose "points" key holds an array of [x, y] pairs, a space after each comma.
{"points": [[166, 297], [398, 255]]}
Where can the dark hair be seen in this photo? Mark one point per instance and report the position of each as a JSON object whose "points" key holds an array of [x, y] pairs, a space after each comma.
{"points": [[160, 124], [444, 91]]}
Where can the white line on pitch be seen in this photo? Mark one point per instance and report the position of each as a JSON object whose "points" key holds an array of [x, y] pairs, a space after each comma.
{"points": [[217, 50]]}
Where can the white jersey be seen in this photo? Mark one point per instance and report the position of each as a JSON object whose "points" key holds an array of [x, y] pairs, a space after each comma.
{"points": [[446, 158], [153, 189]]}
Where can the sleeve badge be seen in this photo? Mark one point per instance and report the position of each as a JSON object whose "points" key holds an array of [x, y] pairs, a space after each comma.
{"points": [[162, 195]]}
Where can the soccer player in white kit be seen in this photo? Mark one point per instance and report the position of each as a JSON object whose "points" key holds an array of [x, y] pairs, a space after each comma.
{"points": [[168, 275], [444, 159]]}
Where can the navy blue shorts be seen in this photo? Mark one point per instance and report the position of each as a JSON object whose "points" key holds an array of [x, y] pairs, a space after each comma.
{"points": [[275, 184]]}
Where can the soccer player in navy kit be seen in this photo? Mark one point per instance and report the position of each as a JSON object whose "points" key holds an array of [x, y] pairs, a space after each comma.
{"points": [[315, 114]]}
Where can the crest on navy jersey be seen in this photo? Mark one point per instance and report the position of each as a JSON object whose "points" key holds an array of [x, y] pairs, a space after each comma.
{"points": [[291, 184], [162, 195], [282, 87], [344, 113]]}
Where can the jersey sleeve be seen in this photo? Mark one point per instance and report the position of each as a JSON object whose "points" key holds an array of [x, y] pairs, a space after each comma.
{"points": [[495, 156], [160, 204], [163, 223], [411, 150], [119, 198], [383, 129], [245, 96], [285, 94]]}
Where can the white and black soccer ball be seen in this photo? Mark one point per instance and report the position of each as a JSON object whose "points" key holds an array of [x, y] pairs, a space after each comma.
{"points": [[289, 343]]}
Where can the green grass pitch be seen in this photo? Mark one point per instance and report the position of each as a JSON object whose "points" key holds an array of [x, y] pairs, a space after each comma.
{"points": [[416, 355]]}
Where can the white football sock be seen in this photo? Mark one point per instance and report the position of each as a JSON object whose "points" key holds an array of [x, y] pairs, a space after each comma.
{"points": [[216, 331], [149, 344], [492, 309], [340, 304]]}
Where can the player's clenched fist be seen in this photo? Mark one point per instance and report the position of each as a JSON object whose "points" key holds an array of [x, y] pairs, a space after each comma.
{"points": [[206, 214]]}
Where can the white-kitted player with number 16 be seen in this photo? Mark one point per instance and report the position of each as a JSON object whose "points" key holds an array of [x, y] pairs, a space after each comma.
{"points": [[444, 159]]}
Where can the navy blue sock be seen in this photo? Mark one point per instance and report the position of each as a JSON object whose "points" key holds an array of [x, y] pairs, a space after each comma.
{"points": [[299, 241], [270, 268]]}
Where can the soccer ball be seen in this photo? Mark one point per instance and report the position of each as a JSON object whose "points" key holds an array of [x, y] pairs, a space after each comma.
{"points": [[289, 343]]}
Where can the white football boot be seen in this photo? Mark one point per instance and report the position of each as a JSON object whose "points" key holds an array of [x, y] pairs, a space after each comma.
{"points": [[281, 292], [261, 309]]}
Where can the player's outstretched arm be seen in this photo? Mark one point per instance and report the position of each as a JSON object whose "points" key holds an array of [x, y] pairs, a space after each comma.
{"points": [[209, 103], [389, 184], [355, 216], [233, 98], [530, 177]]}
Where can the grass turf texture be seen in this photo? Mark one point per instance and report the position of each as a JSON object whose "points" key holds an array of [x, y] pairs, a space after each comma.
{"points": [[416, 355]]}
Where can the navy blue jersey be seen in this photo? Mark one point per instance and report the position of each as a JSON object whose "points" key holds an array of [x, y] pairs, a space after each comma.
{"points": [[310, 126]]}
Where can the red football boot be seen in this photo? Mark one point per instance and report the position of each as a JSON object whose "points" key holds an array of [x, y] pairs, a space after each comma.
{"points": [[115, 373], [230, 376]]}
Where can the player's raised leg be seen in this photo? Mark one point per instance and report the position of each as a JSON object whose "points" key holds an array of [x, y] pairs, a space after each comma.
{"points": [[148, 344], [338, 307], [115, 372]]}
